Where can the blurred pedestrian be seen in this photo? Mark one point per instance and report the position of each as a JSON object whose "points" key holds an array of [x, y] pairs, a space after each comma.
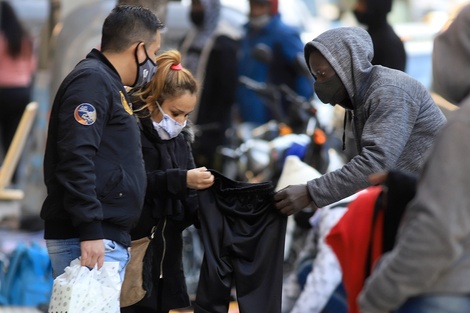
{"points": [[93, 165], [451, 59], [171, 201], [389, 49], [428, 269], [17, 69], [393, 117], [209, 51], [265, 28]]}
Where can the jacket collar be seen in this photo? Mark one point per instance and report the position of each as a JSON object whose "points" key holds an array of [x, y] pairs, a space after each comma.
{"points": [[98, 55]]}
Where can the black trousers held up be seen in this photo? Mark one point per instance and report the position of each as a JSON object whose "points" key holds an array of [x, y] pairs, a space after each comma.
{"points": [[243, 236]]}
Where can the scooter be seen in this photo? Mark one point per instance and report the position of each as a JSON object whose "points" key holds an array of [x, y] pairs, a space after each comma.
{"points": [[258, 153], [262, 150]]}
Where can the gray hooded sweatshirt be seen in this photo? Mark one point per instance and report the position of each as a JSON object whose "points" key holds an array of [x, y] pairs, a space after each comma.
{"points": [[394, 120]]}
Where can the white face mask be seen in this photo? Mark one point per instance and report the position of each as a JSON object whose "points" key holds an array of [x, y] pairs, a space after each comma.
{"points": [[259, 22], [167, 128]]}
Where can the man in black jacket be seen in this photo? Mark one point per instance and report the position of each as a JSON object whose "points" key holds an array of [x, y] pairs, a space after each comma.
{"points": [[93, 164]]}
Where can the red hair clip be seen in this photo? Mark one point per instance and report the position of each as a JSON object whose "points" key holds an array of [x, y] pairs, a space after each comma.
{"points": [[177, 67]]}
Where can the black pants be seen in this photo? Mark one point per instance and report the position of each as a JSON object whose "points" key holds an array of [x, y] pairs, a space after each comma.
{"points": [[243, 236]]}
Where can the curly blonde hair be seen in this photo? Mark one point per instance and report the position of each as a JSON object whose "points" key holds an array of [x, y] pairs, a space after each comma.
{"points": [[168, 82]]}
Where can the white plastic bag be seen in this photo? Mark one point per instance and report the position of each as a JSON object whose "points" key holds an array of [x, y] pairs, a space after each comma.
{"points": [[81, 290]]}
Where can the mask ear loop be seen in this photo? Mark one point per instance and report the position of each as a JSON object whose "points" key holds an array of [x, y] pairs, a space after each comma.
{"points": [[160, 108], [137, 61], [146, 55], [135, 53]]}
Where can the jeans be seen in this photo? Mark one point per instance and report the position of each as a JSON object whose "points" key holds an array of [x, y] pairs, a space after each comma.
{"points": [[337, 302], [436, 304], [64, 251]]}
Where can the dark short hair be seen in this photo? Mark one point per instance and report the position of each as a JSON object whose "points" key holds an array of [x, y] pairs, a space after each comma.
{"points": [[128, 24]]}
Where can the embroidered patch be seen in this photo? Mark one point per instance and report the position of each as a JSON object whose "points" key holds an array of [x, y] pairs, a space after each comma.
{"points": [[125, 104], [85, 114]]}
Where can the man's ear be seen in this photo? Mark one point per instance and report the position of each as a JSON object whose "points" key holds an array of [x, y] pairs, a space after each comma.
{"points": [[139, 52]]}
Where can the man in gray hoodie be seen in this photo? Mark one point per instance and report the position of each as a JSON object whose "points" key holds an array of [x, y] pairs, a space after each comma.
{"points": [[392, 116], [428, 270]]}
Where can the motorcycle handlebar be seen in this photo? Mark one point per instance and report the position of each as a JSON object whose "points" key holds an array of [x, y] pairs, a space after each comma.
{"points": [[300, 101], [254, 85], [271, 91]]}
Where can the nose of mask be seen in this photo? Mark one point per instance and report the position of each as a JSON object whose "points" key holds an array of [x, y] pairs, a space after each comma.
{"points": [[330, 91], [259, 21]]}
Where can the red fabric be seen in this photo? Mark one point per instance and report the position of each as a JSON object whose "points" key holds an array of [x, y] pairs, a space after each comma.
{"points": [[274, 7], [273, 3], [350, 239]]}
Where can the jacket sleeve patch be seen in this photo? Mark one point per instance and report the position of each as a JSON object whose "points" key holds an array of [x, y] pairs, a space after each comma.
{"points": [[85, 114]]}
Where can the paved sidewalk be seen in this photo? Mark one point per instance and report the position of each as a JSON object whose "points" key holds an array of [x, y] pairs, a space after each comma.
{"points": [[233, 308], [12, 309]]}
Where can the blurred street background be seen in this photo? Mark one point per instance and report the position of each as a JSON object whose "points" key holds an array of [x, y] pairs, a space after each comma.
{"points": [[64, 32]]}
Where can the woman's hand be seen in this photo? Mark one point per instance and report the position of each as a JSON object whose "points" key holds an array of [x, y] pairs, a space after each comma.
{"points": [[199, 178]]}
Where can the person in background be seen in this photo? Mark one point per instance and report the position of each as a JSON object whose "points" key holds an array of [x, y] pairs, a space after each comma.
{"points": [[266, 29], [209, 51], [171, 201], [451, 59], [427, 271], [17, 68], [393, 117], [93, 165], [389, 49]]}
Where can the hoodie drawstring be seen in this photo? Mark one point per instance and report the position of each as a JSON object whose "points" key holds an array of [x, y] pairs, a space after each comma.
{"points": [[344, 129]]}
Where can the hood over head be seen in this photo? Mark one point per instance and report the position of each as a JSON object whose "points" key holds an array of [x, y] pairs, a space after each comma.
{"points": [[381, 7], [202, 34], [211, 14], [376, 12], [349, 50]]}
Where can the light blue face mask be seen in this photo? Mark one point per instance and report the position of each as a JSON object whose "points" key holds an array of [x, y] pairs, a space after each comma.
{"points": [[167, 128]]}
